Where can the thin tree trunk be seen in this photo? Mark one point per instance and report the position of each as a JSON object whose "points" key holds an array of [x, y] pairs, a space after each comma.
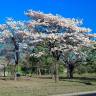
{"points": [[39, 71], [56, 73], [4, 71], [8, 68], [52, 71], [14, 73], [68, 72], [16, 55]]}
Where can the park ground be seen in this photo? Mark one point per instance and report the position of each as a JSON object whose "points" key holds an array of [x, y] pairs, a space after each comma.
{"points": [[45, 86]]}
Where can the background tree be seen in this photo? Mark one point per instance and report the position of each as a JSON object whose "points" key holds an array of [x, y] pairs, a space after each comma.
{"points": [[16, 35]]}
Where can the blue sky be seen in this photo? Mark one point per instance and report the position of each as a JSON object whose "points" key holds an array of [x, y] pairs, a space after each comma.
{"points": [[80, 9]]}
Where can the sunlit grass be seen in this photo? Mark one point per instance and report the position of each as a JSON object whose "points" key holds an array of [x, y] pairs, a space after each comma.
{"points": [[44, 87]]}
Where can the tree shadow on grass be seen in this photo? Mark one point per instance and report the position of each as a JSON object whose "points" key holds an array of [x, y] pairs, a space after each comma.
{"points": [[84, 80]]}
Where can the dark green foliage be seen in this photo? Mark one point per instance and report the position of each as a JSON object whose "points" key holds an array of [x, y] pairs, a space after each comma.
{"points": [[80, 69], [89, 65], [61, 69]]}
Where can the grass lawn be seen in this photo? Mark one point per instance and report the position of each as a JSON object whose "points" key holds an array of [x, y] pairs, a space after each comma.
{"points": [[46, 87]]}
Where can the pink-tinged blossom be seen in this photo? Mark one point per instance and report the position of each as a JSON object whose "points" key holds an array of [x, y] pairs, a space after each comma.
{"points": [[67, 32], [39, 54]]}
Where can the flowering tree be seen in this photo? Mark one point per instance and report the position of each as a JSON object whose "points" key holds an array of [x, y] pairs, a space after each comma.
{"points": [[63, 35], [15, 37]]}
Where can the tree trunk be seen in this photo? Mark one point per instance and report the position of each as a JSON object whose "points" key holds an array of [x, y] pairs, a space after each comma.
{"points": [[38, 71], [15, 76], [68, 72], [16, 55], [56, 73], [70, 69], [8, 67], [4, 71], [52, 71]]}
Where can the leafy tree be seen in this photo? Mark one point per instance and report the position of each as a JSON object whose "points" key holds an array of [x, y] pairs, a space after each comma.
{"points": [[63, 34]]}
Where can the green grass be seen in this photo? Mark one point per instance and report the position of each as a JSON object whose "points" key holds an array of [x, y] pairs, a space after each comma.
{"points": [[44, 86]]}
